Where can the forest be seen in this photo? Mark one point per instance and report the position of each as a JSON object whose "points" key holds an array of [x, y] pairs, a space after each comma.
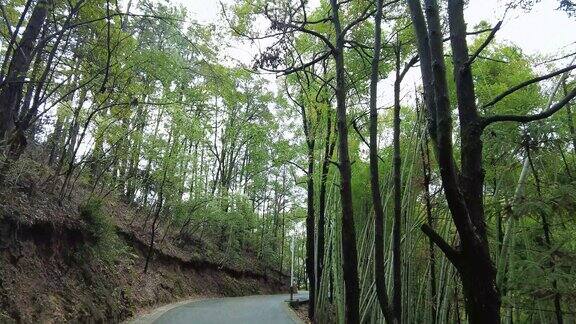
{"points": [[399, 163]]}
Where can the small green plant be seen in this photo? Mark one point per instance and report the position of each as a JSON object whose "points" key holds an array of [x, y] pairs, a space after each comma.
{"points": [[99, 226], [105, 243]]}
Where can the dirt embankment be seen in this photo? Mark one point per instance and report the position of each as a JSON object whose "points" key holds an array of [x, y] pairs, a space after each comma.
{"points": [[50, 269]]}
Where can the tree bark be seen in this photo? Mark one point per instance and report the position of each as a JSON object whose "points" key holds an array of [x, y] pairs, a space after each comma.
{"points": [[12, 85], [463, 191], [330, 143], [310, 231], [349, 249], [482, 303], [379, 270], [397, 168]]}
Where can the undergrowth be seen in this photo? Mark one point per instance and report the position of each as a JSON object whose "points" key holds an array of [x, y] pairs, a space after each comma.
{"points": [[105, 243]]}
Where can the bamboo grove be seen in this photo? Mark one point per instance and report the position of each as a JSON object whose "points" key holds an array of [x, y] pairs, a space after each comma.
{"points": [[431, 184], [450, 198]]}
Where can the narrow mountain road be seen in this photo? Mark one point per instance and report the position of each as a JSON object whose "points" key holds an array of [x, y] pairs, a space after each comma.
{"points": [[249, 309]]}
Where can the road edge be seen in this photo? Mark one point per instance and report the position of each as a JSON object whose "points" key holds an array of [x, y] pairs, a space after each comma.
{"points": [[149, 316], [292, 313]]}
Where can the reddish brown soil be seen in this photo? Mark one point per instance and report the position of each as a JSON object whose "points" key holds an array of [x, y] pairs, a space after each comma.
{"points": [[47, 275]]}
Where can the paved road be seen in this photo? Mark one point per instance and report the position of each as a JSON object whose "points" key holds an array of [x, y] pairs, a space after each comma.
{"points": [[250, 309]]}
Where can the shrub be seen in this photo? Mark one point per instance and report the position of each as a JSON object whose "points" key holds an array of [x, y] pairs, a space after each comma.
{"points": [[104, 242]]}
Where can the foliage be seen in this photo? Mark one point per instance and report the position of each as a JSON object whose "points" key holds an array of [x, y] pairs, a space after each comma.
{"points": [[145, 105], [103, 242]]}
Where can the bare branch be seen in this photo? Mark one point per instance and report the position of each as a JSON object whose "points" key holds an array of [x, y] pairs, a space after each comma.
{"points": [[299, 68], [407, 67], [355, 126], [528, 118], [476, 32], [299, 167], [525, 84], [286, 25], [486, 43], [446, 248]]}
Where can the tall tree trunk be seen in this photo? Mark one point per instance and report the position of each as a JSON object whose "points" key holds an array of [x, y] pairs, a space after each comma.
{"points": [[13, 40], [147, 177], [397, 169], [482, 300], [426, 172], [310, 231], [135, 148], [153, 231], [349, 249], [379, 270], [160, 203], [57, 142], [463, 191], [54, 140], [34, 86], [330, 143]]}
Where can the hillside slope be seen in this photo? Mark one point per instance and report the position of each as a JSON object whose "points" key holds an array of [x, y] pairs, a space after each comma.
{"points": [[56, 266]]}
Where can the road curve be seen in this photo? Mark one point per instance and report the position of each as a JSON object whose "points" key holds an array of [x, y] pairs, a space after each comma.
{"points": [[249, 309]]}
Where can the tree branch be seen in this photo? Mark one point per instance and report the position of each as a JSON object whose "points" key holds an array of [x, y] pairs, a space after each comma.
{"points": [[286, 25], [477, 32], [298, 166], [298, 68], [446, 248], [525, 119], [355, 126], [407, 67], [525, 84], [365, 15], [486, 43]]}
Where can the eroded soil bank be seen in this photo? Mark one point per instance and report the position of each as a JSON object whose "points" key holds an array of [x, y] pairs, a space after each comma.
{"points": [[52, 269]]}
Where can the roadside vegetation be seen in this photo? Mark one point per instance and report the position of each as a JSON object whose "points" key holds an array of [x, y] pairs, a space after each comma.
{"points": [[403, 165]]}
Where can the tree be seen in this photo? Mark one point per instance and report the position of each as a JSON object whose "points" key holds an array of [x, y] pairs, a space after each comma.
{"points": [[463, 186], [335, 50], [18, 68]]}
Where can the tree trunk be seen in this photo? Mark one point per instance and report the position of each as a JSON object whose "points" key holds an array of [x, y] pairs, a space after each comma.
{"points": [[482, 301], [54, 142], [463, 191], [160, 204], [13, 39], [481, 297], [379, 270], [153, 232], [426, 183], [13, 84], [396, 230], [310, 231], [330, 143], [349, 249]]}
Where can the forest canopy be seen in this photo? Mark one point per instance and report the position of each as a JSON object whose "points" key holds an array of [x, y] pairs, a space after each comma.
{"points": [[420, 168]]}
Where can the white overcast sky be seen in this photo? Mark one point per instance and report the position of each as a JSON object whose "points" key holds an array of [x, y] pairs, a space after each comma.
{"points": [[542, 30]]}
